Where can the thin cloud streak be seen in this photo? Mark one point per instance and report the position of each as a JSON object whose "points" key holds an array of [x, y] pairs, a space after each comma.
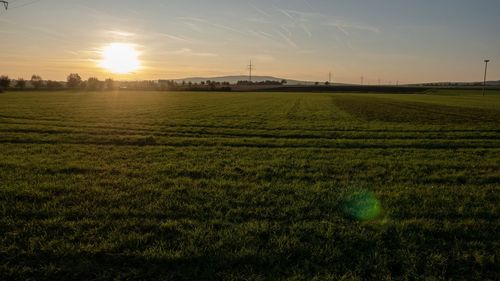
{"points": [[260, 11], [344, 26], [189, 53]]}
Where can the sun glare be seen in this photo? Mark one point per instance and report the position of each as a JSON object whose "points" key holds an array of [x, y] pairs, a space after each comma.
{"points": [[120, 58]]}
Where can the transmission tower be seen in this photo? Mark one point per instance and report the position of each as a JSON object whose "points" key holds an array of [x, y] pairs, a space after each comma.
{"points": [[251, 67]]}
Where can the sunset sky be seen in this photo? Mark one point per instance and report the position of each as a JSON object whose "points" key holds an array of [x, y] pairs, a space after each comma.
{"points": [[392, 40]]}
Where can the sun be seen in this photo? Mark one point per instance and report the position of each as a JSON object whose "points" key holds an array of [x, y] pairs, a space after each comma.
{"points": [[120, 58]]}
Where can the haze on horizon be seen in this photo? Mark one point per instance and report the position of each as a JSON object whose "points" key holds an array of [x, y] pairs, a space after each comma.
{"points": [[408, 41]]}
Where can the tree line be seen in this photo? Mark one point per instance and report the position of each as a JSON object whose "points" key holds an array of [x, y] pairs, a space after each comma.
{"points": [[75, 82]]}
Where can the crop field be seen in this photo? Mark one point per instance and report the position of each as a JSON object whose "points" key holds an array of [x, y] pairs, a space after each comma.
{"points": [[249, 186]]}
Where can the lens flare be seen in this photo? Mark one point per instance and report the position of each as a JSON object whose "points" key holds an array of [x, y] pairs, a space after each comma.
{"points": [[363, 206]]}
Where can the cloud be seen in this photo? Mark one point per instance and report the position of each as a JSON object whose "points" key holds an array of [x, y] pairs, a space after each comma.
{"points": [[260, 11], [172, 37], [287, 39], [305, 20], [189, 53], [259, 20], [263, 58], [344, 26], [300, 20], [261, 34], [119, 33], [199, 25]]}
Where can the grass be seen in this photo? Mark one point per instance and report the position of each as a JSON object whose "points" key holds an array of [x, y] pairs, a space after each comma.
{"points": [[243, 186]]}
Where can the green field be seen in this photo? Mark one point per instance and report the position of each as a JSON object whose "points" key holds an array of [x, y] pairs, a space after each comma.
{"points": [[249, 186]]}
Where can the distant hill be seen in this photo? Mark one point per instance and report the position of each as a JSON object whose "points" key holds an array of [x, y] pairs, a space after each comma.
{"points": [[235, 79]]}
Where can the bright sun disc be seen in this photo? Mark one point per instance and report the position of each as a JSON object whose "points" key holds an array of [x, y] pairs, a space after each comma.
{"points": [[120, 58]]}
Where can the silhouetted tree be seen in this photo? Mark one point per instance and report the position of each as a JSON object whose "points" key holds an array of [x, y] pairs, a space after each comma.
{"points": [[21, 84], [165, 85], [244, 83], [93, 84], [110, 84], [36, 81], [53, 85], [74, 80], [284, 82], [4, 82]]}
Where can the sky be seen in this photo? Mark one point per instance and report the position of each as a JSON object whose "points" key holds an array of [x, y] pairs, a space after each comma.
{"points": [[408, 41]]}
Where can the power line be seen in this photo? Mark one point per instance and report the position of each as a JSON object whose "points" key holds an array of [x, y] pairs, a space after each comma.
{"points": [[24, 5]]}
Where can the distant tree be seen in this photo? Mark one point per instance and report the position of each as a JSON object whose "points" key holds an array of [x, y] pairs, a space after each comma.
{"points": [[4, 82], [109, 83], [284, 82], [244, 83], [316, 83], [54, 85], [83, 85], [94, 84], [165, 85], [36, 81], [202, 83], [74, 81], [21, 84], [327, 83]]}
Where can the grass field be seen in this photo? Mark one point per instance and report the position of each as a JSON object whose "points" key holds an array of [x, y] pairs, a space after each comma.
{"points": [[243, 186]]}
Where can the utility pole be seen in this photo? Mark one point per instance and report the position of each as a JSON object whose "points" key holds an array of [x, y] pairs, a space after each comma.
{"points": [[362, 80], [485, 72], [330, 78], [250, 68]]}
